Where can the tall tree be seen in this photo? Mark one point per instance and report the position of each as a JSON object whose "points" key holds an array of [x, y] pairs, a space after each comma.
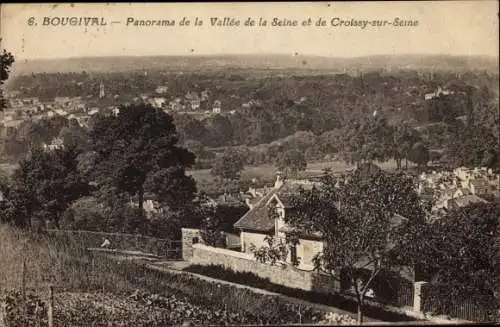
{"points": [[356, 215], [228, 167], [6, 61], [404, 138], [419, 154], [367, 140], [462, 251], [133, 145], [44, 186], [291, 162]]}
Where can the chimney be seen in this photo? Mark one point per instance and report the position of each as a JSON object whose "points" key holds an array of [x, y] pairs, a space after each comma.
{"points": [[247, 202], [279, 180]]}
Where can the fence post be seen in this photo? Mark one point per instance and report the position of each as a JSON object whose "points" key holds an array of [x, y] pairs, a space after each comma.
{"points": [[23, 286], [50, 311], [417, 296]]}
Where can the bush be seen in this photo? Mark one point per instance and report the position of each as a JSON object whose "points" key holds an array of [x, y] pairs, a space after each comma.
{"points": [[20, 312]]}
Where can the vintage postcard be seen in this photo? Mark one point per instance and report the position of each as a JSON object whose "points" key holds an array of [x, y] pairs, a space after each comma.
{"points": [[168, 164]]}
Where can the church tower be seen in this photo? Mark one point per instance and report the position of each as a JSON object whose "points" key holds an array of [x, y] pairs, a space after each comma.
{"points": [[101, 91]]}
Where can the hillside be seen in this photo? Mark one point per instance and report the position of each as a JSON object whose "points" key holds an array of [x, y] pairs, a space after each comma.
{"points": [[271, 61]]}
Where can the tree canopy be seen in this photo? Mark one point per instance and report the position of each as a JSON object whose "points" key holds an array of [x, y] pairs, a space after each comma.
{"points": [[6, 61], [462, 251], [43, 186], [357, 217], [139, 143]]}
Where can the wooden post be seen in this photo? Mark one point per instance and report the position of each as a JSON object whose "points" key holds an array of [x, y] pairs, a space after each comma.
{"points": [[50, 311], [23, 286]]}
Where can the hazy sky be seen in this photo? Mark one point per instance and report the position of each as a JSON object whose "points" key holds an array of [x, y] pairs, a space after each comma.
{"points": [[447, 27]]}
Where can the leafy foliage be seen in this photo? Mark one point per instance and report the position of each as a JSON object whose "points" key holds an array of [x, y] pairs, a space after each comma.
{"points": [[276, 251], [44, 186], [291, 162], [355, 216], [6, 61], [28, 311], [136, 143], [228, 166], [461, 251]]}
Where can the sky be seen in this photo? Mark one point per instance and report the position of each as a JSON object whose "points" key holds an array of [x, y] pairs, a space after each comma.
{"points": [[444, 27]]}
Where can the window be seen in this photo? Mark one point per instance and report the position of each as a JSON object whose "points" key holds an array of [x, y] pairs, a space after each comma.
{"points": [[195, 240]]}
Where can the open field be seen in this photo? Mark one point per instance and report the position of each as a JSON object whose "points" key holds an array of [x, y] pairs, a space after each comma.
{"points": [[267, 173]]}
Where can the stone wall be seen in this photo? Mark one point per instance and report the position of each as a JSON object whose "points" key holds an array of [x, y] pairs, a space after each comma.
{"points": [[189, 237], [243, 262]]}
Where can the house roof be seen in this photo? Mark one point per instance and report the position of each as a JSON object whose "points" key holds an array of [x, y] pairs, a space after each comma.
{"points": [[257, 218], [468, 199]]}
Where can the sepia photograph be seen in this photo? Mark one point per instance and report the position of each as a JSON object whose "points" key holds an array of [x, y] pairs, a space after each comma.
{"points": [[249, 164]]}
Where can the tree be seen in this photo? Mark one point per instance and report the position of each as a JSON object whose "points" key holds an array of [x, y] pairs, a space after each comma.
{"points": [[419, 154], [196, 147], [43, 186], [355, 215], [220, 131], [368, 140], [6, 61], [474, 145], [291, 162], [228, 167], [74, 135], [462, 251], [45, 130], [405, 138], [133, 145], [84, 214]]}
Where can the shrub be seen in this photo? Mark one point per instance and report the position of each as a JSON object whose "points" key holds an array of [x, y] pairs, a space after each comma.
{"points": [[20, 312]]}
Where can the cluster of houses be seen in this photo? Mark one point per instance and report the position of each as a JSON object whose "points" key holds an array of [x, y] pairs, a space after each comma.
{"points": [[190, 102], [439, 92], [458, 188], [447, 190]]}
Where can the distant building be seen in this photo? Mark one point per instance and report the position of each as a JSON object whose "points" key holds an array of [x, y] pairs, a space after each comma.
{"points": [[217, 107], [56, 143], [161, 89], [175, 105], [205, 95], [93, 111], [101, 91], [438, 93], [158, 102], [61, 112], [193, 100]]}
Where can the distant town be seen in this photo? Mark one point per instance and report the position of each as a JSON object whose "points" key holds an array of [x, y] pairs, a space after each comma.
{"points": [[256, 195]]}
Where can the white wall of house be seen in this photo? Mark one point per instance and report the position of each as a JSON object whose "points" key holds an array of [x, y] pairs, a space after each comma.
{"points": [[306, 250], [248, 238]]}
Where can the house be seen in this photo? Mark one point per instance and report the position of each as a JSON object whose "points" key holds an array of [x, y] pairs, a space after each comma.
{"points": [[205, 95], [438, 93], [93, 111], [193, 100], [161, 89], [256, 224], [56, 143], [216, 107], [259, 222], [176, 104], [158, 102], [61, 112]]}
